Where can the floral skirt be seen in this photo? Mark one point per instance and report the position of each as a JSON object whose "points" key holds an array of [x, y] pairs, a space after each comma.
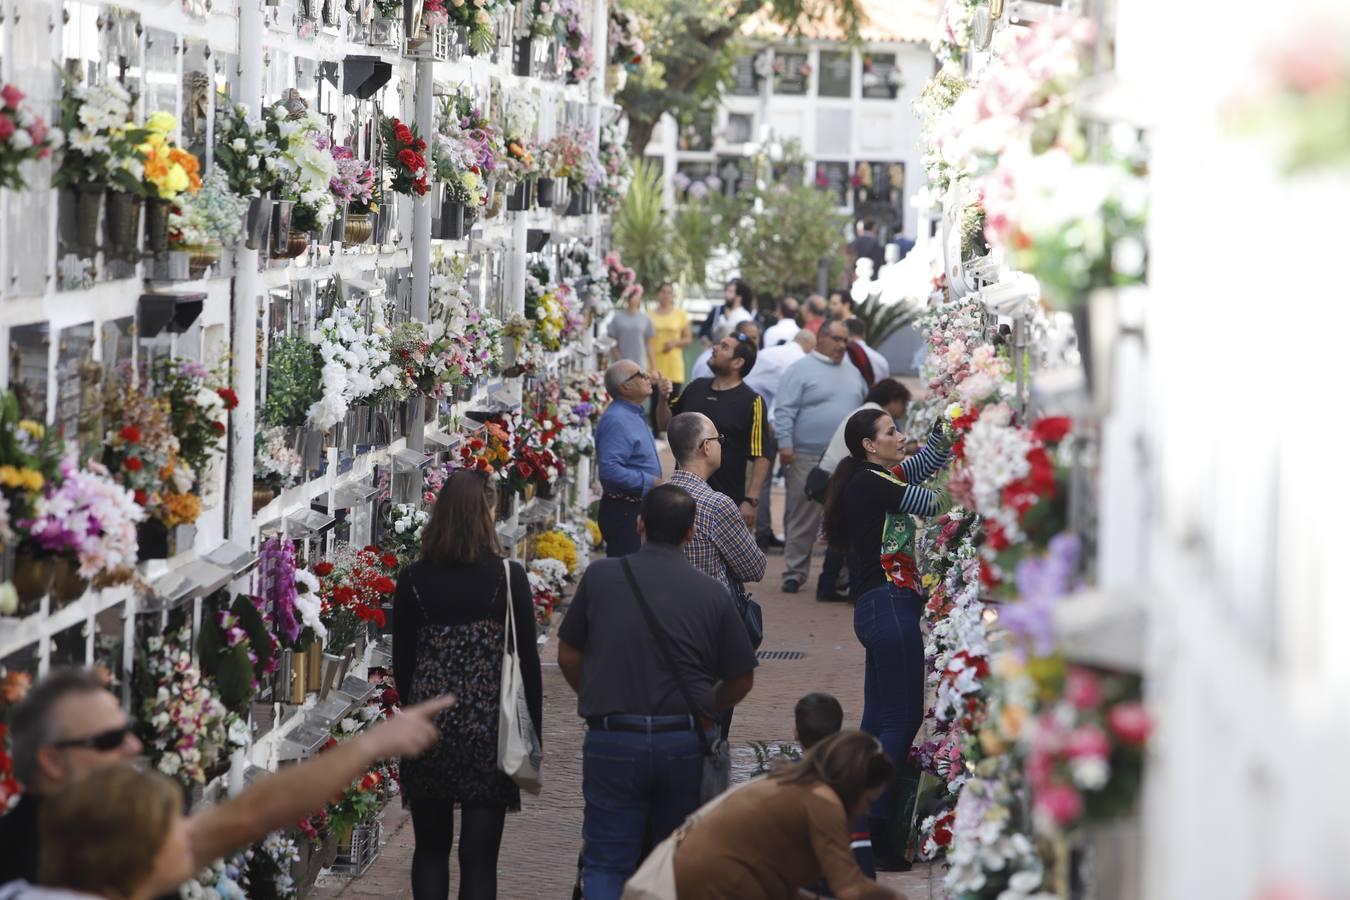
{"points": [[465, 660]]}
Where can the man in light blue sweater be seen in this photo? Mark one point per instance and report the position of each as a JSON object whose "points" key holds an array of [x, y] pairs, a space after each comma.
{"points": [[816, 394]]}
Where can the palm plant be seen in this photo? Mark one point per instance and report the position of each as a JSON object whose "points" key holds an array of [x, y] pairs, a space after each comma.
{"points": [[642, 232], [881, 320]]}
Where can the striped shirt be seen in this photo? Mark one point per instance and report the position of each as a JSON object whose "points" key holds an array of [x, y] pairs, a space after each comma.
{"points": [[722, 546]]}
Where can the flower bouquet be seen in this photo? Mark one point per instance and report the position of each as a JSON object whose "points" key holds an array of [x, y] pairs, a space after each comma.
{"points": [[187, 732], [269, 865], [467, 339], [205, 223], [577, 39], [199, 403], [403, 154], [490, 452], [548, 582], [626, 45], [170, 172], [294, 381], [24, 136], [275, 463], [14, 686], [558, 546], [237, 650], [356, 365], [354, 585], [91, 520], [241, 151], [614, 162], [544, 22], [290, 596]]}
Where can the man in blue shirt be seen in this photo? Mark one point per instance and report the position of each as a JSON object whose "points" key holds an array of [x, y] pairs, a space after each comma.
{"points": [[626, 453]]}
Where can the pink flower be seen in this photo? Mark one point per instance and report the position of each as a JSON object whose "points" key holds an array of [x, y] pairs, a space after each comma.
{"points": [[6, 127], [1082, 689], [1061, 803], [1087, 741], [12, 96], [1130, 722]]}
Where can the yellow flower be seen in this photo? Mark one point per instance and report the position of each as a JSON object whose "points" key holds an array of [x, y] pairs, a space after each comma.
{"points": [[32, 479], [930, 580], [593, 532], [9, 476], [36, 429], [162, 123], [28, 479]]}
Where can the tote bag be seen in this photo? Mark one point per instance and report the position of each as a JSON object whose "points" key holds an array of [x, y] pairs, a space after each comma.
{"points": [[655, 878], [519, 754]]}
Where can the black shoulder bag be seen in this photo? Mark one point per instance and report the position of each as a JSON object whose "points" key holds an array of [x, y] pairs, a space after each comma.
{"points": [[716, 752]]}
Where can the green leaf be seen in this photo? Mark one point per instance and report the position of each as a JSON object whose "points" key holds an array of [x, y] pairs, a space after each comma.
{"points": [[641, 230], [260, 639]]}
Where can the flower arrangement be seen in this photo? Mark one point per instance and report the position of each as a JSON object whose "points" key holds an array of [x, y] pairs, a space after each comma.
{"points": [[237, 650], [90, 517], [621, 277], [359, 802], [14, 685], [544, 22], [556, 545], [24, 136], [489, 453], [477, 17], [290, 596], [101, 142], [304, 165], [467, 339], [170, 171], [294, 381], [199, 403], [186, 730], [626, 45], [356, 364], [214, 216], [407, 521], [354, 182], [29, 461], [354, 585], [224, 879], [142, 451], [241, 148], [577, 40], [617, 169], [269, 868], [548, 581], [274, 461], [544, 308], [403, 153]]}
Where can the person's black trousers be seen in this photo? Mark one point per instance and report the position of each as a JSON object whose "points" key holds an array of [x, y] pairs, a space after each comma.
{"points": [[617, 519]]}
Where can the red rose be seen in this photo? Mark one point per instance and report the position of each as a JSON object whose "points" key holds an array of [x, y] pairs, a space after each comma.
{"points": [[139, 497], [523, 469], [1052, 429], [407, 157], [343, 594], [131, 434], [370, 548], [403, 132], [390, 561], [218, 427], [229, 396], [384, 585], [1131, 722], [132, 464], [476, 444], [323, 569], [484, 465], [419, 145]]}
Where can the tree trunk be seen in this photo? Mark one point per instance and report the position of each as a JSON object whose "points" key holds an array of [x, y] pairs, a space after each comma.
{"points": [[639, 136]]}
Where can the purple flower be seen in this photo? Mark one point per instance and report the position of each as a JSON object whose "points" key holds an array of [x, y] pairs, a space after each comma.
{"points": [[1041, 582], [193, 370], [276, 565]]}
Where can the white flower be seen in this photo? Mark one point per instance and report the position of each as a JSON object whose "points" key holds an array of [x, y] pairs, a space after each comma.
{"points": [[350, 724], [239, 145], [253, 161], [9, 599], [20, 139]]}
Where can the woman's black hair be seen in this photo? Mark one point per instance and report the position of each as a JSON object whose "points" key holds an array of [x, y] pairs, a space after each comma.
{"points": [[861, 426]]}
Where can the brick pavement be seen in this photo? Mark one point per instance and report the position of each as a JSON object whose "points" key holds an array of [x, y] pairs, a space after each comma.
{"points": [[539, 849]]}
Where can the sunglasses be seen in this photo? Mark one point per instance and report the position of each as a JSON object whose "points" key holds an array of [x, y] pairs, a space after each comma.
{"points": [[103, 742]]}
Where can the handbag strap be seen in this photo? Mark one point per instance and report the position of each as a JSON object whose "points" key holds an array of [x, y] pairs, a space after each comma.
{"points": [[509, 638], [663, 645]]}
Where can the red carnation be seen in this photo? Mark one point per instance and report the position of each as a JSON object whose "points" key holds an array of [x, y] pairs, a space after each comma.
{"points": [[419, 145], [370, 548], [384, 584], [229, 396], [484, 465], [403, 132], [133, 464], [323, 569], [476, 444], [390, 561], [140, 497], [1052, 429], [343, 594], [131, 434], [218, 427], [524, 469], [407, 157]]}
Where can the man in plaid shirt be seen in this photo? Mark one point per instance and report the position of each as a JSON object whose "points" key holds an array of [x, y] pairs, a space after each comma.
{"points": [[722, 545]]}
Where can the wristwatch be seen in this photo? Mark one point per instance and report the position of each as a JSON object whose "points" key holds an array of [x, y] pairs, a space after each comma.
{"points": [[752, 501]]}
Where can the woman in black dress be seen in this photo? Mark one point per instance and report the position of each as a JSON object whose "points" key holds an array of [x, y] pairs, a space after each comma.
{"points": [[449, 629], [873, 497]]}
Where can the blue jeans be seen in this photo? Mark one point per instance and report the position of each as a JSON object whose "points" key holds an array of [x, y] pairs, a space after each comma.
{"points": [[618, 526], [886, 621], [638, 788]]}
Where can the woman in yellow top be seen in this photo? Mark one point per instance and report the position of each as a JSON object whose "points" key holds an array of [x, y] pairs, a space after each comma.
{"points": [[665, 349]]}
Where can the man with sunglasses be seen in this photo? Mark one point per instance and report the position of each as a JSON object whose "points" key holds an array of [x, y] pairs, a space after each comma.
{"points": [[66, 727], [626, 453]]}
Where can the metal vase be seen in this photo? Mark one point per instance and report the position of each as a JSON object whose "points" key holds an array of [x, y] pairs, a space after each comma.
{"points": [[519, 198], [122, 224], [257, 222], [452, 220], [524, 57], [281, 226], [587, 200], [87, 206], [574, 205], [545, 195], [157, 225]]}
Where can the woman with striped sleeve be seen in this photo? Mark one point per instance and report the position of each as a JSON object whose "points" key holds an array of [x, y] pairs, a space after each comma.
{"points": [[873, 497]]}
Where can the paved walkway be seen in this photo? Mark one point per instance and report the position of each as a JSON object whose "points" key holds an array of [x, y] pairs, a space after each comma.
{"points": [[539, 849]]}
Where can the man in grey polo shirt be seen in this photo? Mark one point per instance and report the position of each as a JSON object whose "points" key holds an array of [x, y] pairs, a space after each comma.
{"points": [[642, 762]]}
